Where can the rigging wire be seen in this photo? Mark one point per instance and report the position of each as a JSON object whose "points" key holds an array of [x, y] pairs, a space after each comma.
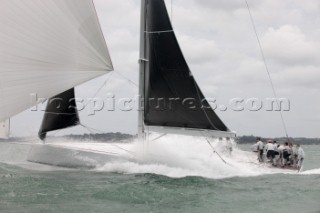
{"points": [[157, 138], [102, 86], [91, 130], [267, 69], [130, 81], [214, 151], [96, 93]]}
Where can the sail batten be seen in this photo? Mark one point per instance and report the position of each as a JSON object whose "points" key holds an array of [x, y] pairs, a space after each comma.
{"points": [[173, 99], [47, 47], [192, 131]]}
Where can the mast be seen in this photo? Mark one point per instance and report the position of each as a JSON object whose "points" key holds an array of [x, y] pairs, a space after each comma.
{"points": [[142, 66], [9, 127]]}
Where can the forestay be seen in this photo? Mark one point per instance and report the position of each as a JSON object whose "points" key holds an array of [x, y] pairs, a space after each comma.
{"points": [[47, 47]]}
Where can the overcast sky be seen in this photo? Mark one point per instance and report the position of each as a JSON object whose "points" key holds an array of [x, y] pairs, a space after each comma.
{"points": [[218, 41]]}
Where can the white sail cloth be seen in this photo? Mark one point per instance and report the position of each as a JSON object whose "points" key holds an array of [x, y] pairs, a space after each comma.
{"points": [[5, 129], [47, 47]]}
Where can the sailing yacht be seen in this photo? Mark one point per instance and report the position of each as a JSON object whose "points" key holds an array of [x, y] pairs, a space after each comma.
{"points": [[61, 45]]}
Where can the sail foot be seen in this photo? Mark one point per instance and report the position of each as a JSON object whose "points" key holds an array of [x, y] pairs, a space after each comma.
{"points": [[193, 132]]}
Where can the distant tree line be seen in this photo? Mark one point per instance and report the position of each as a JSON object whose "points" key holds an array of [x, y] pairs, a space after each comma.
{"points": [[122, 137], [252, 139], [105, 137]]}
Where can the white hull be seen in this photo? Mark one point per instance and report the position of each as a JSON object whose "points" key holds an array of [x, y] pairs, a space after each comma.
{"points": [[174, 157], [69, 157]]}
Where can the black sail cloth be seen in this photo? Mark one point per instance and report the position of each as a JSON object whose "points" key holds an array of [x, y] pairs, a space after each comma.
{"points": [[61, 112], [172, 97]]}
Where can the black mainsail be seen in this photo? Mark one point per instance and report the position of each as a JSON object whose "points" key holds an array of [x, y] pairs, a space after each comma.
{"points": [[172, 97], [61, 112]]}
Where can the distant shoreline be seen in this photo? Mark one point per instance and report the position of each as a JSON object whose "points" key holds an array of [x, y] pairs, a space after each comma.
{"points": [[123, 137], [299, 140]]}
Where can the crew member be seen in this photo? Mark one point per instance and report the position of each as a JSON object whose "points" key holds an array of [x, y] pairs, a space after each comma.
{"points": [[275, 145], [260, 149], [270, 151], [301, 156], [294, 157], [286, 153]]}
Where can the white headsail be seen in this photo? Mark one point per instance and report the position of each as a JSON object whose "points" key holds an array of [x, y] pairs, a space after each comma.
{"points": [[5, 129], [47, 47]]}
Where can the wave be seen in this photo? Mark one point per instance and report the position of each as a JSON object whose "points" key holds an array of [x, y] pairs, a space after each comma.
{"points": [[311, 172], [181, 156]]}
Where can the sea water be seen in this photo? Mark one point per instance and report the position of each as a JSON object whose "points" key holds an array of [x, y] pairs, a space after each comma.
{"points": [[175, 175]]}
